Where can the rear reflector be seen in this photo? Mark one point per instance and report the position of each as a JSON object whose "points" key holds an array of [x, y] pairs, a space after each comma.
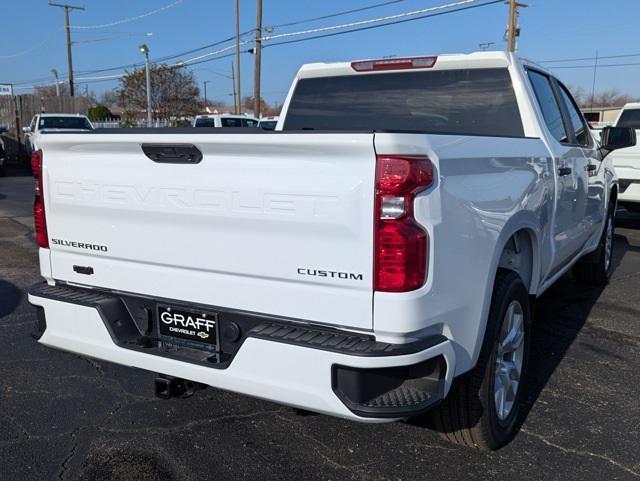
{"points": [[393, 64], [401, 244], [39, 218]]}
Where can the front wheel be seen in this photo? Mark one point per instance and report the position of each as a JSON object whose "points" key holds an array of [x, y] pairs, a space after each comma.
{"points": [[483, 407], [596, 268]]}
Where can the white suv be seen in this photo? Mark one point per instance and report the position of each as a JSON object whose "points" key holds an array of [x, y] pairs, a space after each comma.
{"points": [[225, 120]]}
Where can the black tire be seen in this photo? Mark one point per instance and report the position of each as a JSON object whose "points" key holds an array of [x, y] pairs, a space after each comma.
{"points": [[469, 416], [595, 268]]}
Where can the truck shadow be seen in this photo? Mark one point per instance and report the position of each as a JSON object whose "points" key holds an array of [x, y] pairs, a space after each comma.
{"points": [[10, 297], [560, 314]]}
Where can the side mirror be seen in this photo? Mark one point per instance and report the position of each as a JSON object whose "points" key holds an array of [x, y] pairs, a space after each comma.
{"points": [[613, 138], [26, 130]]}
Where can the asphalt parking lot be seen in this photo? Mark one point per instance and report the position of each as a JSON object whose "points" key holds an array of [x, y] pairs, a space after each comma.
{"points": [[63, 417]]}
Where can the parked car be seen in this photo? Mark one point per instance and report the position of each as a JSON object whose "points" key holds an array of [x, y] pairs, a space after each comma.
{"points": [[375, 260], [627, 161], [225, 120], [52, 122], [268, 123]]}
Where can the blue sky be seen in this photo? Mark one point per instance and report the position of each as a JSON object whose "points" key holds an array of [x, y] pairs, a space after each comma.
{"points": [[551, 29]]}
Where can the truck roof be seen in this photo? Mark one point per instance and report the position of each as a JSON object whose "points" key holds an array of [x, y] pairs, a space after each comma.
{"points": [[493, 59], [631, 105], [61, 115]]}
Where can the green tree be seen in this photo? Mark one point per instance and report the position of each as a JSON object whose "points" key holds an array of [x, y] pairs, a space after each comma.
{"points": [[99, 112]]}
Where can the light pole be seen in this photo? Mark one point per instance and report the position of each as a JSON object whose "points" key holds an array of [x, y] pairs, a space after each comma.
{"points": [[145, 51], [55, 77], [205, 95], [237, 74]]}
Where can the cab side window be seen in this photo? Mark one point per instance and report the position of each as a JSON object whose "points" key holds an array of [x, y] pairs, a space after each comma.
{"points": [[547, 101], [578, 124]]}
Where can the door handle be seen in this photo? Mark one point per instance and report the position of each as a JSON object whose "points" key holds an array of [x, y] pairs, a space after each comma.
{"points": [[172, 153], [562, 171]]}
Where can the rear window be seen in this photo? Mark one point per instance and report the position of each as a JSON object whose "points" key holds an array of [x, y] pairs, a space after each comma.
{"points": [[472, 101], [205, 122], [630, 118], [230, 122], [64, 123]]}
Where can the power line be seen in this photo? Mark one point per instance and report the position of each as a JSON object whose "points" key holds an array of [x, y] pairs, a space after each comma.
{"points": [[462, 5], [599, 65], [370, 27], [195, 60], [333, 15], [35, 47], [589, 58], [127, 20], [371, 20]]}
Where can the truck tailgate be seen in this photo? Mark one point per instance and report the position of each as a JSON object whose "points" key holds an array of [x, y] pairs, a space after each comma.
{"points": [[279, 223]]}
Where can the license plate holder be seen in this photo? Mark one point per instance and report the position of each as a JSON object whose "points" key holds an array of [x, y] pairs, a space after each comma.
{"points": [[192, 327]]}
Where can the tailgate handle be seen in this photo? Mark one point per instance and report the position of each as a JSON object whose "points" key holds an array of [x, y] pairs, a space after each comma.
{"points": [[172, 153]]}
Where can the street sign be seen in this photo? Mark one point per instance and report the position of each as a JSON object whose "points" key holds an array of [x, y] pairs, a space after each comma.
{"points": [[6, 89]]}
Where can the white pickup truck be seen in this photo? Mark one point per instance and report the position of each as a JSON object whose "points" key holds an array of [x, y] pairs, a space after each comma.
{"points": [[52, 123], [627, 161], [374, 259]]}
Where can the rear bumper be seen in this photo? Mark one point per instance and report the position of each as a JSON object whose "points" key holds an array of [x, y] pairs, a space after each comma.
{"points": [[374, 382]]}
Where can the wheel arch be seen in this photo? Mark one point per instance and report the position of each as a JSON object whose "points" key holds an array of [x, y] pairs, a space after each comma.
{"points": [[527, 230]]}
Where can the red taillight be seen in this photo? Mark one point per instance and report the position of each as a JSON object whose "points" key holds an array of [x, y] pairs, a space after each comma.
{"points": [[400, 242], [39, 218], [393, 64]]}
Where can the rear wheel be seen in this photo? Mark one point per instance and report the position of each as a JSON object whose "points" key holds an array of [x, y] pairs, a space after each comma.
{"points": [[596, 268], [483, 407]]}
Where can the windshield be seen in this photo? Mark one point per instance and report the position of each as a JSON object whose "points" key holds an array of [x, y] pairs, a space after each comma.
{"points": [[80, 123], [630, 118], [468, 101]]}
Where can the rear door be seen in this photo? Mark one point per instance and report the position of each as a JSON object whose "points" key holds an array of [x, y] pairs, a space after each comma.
{"points": [[280, 224], [569, 228], [581, 135]]}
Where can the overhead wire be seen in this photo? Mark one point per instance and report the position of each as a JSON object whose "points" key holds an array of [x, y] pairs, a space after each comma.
{"points": [[361, 25], [127, 20]]}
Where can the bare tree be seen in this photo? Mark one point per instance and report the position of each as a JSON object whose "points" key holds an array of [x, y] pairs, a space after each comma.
{"points": [[604, 98], [247, 104], [109, 98], [50, 90], [174, 92]]}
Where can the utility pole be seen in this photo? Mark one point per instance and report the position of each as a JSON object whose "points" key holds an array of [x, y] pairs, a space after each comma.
{"points": [[233, 81], [239, 98], [513, 31], [258, 59], [55, 77], [593, 85], [68, 29]]}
